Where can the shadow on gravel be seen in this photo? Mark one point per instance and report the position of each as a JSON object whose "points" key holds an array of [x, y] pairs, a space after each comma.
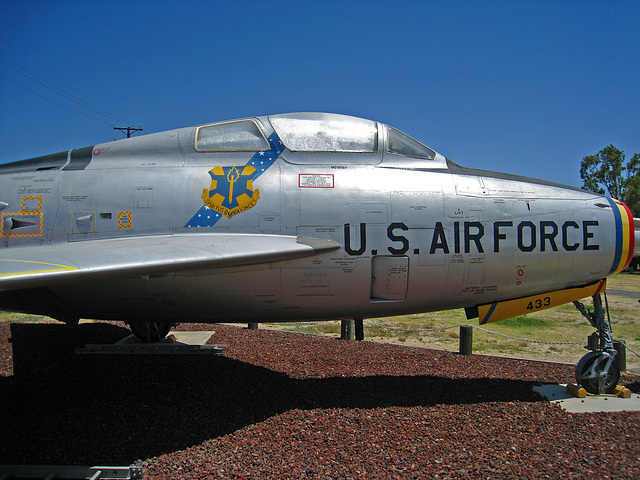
{"points": [[62, 408]]}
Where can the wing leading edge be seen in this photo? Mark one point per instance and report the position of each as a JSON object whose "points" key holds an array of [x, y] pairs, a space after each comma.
{"points": [[27, 267]]}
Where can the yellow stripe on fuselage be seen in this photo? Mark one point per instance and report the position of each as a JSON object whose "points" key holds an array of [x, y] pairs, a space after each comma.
{"points": [[493, 312]]}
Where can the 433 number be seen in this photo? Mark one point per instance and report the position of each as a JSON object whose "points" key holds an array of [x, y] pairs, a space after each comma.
{"points": [[539, 303]]}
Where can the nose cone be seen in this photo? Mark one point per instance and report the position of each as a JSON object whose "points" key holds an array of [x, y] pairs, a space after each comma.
{"points": [[625, 236], [636, 249]]}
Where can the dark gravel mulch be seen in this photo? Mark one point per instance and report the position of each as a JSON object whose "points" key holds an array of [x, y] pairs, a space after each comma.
{"points": [[285, 405]]}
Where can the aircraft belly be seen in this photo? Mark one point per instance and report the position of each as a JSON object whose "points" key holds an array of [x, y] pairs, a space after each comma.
{"points": [[201, 297], [338, 291], [232, 296], [243, 296]]}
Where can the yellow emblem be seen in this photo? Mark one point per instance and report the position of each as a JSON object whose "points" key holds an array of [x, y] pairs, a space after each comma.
{"points": [[231, 191]]}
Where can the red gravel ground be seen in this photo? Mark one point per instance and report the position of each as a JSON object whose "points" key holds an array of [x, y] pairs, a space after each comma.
{"points": [[285, 405]]}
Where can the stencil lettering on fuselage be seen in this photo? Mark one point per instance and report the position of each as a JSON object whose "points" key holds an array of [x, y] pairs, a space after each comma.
{"points": [[477, 238]]}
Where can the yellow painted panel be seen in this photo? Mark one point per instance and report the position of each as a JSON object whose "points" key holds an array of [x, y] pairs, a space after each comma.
{"points": [[9, 268], [493, 312]]}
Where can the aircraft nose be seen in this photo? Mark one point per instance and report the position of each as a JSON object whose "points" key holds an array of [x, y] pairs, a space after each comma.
{"points": [[626, 235], [636, 249]]}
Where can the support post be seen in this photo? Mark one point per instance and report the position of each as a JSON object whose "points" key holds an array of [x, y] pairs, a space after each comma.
{"points": [[252, 326], [359, 328], [347, 330], [129, 129], [466, 340], [621, 355]]}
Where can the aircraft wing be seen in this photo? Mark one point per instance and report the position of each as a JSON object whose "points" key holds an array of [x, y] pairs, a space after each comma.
{"points": [[36, 266]]}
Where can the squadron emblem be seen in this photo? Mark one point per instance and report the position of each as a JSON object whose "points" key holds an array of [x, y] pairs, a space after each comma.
{"points": [[231, 191]]}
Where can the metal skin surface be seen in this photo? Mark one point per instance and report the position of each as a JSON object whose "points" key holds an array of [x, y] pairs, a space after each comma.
{"points": [[151, 228]]}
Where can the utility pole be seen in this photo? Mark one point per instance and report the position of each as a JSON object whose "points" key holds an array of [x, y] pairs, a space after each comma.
{"points": [[128, 129]]}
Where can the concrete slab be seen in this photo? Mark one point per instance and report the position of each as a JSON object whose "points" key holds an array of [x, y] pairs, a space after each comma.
{"points": [[181, 338], [193, 338], [623, 293], [592, 403], [176, 343]]}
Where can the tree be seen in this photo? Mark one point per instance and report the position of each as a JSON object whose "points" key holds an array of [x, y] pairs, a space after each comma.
{"points": [[606, 170]]}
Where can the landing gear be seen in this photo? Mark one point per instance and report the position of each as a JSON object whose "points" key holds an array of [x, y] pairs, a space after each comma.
{"points": [[147, 331], [597, 372]]}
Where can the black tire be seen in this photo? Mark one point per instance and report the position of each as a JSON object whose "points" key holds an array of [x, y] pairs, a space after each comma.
{"points": [[591, 384], [149, 332]]}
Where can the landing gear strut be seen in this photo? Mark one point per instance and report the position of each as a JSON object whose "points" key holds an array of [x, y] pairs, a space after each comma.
{"points": [[598, 372], [147, 331]]}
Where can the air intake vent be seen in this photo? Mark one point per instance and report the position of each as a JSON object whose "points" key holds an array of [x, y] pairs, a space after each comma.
{"points": [[21, 225], [17, 223]]}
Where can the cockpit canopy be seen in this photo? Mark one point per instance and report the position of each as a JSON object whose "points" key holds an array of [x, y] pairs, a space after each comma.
{"points": [[324, 132], [400, 143], [235, 136], [311, 133], [308, 138]]}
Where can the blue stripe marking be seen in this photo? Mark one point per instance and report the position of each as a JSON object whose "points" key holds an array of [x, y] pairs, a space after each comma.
{"points": [[619, 236], [489, 313], [261, 161]]}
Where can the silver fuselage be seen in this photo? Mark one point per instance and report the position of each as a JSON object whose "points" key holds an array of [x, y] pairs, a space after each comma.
{"points": [[416, 235]]}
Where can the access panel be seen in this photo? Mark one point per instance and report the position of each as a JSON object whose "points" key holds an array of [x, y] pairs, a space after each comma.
{"points": [[389, 276]]}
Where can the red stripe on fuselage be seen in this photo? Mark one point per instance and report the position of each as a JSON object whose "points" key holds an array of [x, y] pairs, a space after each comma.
{"points": [[632, 235]]}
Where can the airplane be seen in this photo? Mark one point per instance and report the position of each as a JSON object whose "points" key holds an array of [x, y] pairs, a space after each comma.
{"points": [[299, 217]]}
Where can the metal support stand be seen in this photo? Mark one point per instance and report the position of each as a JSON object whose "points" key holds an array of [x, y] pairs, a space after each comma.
{"points": [[347, 330], [621, 354], [597, 371], [359, 328]]}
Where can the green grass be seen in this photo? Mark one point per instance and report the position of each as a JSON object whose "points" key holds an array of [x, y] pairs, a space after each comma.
{"points": [[524, 321]]}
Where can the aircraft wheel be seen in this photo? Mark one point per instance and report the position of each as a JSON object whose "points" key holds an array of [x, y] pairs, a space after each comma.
{"points": [[150, 331], [591, 384]]}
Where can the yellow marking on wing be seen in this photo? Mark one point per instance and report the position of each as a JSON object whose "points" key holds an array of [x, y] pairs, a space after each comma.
{"points": [[60, 268]]}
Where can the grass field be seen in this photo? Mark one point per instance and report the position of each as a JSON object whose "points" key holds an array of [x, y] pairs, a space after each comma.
{"points": [[560, 324]]}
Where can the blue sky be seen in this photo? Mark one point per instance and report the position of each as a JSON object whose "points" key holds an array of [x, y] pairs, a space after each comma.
{"points": [[526, 87]]}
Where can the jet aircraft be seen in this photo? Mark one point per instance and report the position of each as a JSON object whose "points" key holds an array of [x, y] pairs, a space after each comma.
{"points": [[298, 217]]}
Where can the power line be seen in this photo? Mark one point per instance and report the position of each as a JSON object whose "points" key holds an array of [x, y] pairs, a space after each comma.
{"points": [[53, 101], [48, 85]]}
